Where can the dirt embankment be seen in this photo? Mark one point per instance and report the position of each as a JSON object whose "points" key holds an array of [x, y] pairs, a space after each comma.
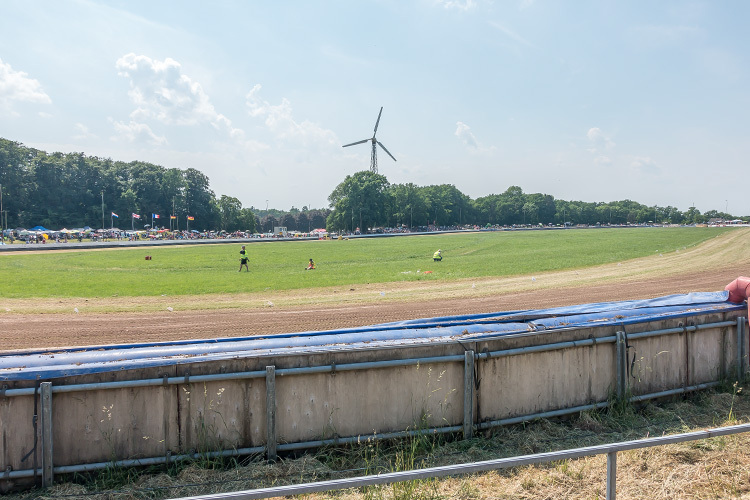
{"points": [[26, 324]]}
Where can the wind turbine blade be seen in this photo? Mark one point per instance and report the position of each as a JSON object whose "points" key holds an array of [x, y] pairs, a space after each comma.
{"points": [[355, 143], [376, 123], [389, 153]]}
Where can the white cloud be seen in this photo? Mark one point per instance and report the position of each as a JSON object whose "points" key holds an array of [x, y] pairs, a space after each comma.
{"points": [[603, 160], [17, 86], [138, 132], [645, 165], [463, 132], [457, 4], [599, 140], [161, 92], [83, 132], [280, 122]]}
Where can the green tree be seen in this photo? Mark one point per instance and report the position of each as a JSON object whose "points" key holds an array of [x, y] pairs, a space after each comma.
{"points": [[199, 200], [247, 221], [230, 209], [446, 204], [407, 205], [510, 206], [359, 201], [693, 216], [289, 222]]}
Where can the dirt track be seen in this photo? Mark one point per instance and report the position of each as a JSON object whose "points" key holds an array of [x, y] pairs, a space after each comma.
{"points": [[709, 267]]}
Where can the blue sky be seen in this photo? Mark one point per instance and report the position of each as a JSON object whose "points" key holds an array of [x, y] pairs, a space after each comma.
{"points": [[585, 100]]}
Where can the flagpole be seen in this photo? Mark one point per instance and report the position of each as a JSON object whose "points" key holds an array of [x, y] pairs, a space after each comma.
{"points": [[102, 209], [132, 222]]}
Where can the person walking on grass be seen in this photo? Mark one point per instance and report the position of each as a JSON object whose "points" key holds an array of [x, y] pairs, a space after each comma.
{"points": [[243, 260]]}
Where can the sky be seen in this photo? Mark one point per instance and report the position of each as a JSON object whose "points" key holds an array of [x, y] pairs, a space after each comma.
{"points": [[595, 100]]}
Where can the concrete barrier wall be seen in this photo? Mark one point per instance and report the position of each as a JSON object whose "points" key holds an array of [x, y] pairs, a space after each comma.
{"points": [[306, 400], [526, 384]]}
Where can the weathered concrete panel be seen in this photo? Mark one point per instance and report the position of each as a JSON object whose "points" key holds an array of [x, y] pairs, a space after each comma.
{"points": [[526, 384], [106, 425], [16, 432], [365, 402], [221, 415]]}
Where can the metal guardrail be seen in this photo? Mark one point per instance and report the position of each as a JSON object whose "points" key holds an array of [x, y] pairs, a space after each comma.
{"points": [[610, 450], [46, 389]]}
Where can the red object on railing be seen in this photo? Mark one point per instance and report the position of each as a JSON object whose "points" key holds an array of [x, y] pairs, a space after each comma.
{"points": [[738, 291]]}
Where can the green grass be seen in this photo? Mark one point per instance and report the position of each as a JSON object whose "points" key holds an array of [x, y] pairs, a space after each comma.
{"points": [[212, 269]]}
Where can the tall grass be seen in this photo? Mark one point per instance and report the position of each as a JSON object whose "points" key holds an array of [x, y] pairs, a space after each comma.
{"points": [[211, 269]]}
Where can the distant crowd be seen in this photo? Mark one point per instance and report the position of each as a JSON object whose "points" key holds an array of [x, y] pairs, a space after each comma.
{"points": [[42, 235]]}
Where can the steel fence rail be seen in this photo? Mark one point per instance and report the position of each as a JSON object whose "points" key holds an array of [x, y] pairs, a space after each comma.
{"points": [[610, 450]]}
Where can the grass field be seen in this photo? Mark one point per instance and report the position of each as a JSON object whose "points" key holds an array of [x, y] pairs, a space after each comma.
{"points": [[278, 266]]}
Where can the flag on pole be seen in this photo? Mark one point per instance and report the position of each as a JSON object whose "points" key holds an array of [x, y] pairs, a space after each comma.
{"points": [[115, 215], [136, 216], [155, 216], [190, 217]]}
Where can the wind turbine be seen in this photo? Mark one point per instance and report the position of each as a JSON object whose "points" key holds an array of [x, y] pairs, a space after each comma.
{"points": [[375, 142]]}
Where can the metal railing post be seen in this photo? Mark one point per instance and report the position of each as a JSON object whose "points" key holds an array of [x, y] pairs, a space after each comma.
{"points": [[468, 394], [740, 349], [611, 475], [45, 398], [271, 413], [621, 353]]}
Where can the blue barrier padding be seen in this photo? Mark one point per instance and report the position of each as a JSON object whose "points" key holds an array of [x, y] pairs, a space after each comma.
{"points": [[50, 364]]}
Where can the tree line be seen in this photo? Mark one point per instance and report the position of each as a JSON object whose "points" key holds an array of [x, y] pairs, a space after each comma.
{"points": [[58, 190], [367, 199], [74, 190]]}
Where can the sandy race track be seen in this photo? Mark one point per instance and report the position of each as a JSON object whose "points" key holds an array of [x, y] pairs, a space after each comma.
{"points": [[28, 324]]}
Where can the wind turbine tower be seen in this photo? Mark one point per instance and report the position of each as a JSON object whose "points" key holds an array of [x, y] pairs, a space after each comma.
{"points": [[375, 143]]}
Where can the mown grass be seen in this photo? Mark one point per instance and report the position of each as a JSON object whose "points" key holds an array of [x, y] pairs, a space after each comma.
{"points": [[277, 266]]}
